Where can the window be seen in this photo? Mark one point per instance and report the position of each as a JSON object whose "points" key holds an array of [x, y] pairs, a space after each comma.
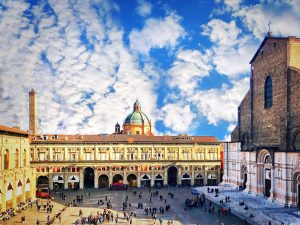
{"points": [[88, 156], [17, 159], [57, 156], [268, 93], [41, 156], [145, 156], [6, 160], [72, 156], [103, 156]]}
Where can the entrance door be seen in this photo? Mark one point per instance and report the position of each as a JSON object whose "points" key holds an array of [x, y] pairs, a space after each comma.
{"points": [[103, 181], [245, 181], [88, 177], [132, 180], [267, 187], [172, 176]]}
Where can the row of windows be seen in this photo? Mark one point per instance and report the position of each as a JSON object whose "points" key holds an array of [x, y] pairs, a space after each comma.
{"points": [[13, 161], [130, 156]]}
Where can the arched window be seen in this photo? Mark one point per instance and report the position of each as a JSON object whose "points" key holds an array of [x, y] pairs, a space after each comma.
{"points": [[17, 159], [268, 93], [6, 160], [297, 141]]}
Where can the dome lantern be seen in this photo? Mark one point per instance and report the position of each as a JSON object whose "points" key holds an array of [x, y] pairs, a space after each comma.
{"points": [[137, 106]]}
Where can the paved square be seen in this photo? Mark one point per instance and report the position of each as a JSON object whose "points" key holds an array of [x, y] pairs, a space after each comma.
{"points": [[90, 207]]}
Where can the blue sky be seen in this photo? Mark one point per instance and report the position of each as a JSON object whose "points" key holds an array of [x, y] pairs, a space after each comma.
{"points": [[186, 61]]}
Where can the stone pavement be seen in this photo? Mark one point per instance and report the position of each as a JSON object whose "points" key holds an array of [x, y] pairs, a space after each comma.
{"points": [[89, 206], [261, 208]]}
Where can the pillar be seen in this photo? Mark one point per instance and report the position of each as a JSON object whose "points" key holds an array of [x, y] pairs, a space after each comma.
{"points": [[125, 177], [139, 179], [96, 181], [50, 176], [205, 177], [165, 176], [152, 179], [14, 194], [193, 176], [110, 177], [179, 176], [81, 178]]}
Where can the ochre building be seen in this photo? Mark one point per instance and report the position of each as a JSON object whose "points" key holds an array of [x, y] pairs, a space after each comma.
{"points": [[264, 155], [17, 179], [132, 156]]}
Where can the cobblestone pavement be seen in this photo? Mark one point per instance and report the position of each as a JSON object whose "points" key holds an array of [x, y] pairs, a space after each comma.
{"points": [[89, 206], [262, 209]]}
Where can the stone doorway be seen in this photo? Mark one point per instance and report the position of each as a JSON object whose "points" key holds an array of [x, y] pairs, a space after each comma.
{"points": [[132, 180], [172, 176], [88, 177], [103, 181]]}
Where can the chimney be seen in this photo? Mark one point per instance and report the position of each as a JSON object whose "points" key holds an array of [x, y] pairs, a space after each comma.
{"points": [[33, 118]]}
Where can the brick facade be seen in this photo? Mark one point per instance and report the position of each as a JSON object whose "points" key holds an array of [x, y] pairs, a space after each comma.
{"points": [[265, 157]]}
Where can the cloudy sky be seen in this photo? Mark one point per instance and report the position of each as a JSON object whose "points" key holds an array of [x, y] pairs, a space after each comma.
{"points": [[186, 61]]}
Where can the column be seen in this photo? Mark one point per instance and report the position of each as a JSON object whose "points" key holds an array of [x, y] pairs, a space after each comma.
{"points": [[14, 196], [125, 177], [179, 176], [66, 186], [80, 153], [110, 177], [205, 176], [81, 178], [96, 181], [152, 179], [193, 176], [139, 179], [51, 181], [165, 176], [50, 154], [273, 184], [95, 154], [3, 196], [24, 186]]}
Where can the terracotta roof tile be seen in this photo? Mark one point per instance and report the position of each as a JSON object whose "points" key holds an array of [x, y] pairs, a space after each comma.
{"points": [[12, 130], [121, 138]]}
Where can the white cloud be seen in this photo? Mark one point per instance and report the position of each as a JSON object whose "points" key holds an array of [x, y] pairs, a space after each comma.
{"points": [[144, 8], [187, 70], [232, 50], [156, 33], [82, 87], [284, 15], [221, 104], [177, 117]]}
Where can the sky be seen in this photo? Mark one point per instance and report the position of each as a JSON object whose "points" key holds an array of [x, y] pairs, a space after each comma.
{"points": [[187, 62]]}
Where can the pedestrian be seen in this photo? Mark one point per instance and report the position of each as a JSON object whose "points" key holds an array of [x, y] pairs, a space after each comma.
{"points": [[38, 222]]}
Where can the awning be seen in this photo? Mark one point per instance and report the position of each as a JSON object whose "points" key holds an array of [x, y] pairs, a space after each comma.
{"points": [[58, 179], [73, 179], [212, 176]]}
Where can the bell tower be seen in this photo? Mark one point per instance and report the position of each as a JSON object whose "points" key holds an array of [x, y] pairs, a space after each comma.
{"points": [[33, 117]]}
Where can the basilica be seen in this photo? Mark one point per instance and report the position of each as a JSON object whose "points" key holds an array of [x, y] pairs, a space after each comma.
{"points": [[263, 157]]}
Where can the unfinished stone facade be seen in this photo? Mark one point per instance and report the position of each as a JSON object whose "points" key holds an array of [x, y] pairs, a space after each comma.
{"points": [[264, 155]]}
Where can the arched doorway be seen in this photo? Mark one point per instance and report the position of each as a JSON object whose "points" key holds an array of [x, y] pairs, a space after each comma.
{"points": [[296, 189], [172, 176], [145, 181], [159, 181], [42, 181], [186, 180], [212, 179], [132, 180], [58, 182], [117, 178], [199, 180], [268, 176], [103, 181], [88, 177], [243, 177], [73, 182]]}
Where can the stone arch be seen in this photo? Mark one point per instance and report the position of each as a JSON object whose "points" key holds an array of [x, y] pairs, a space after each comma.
{"points": [[296, 140], [103, 181], [117, 178], [262, 154], [42, 180], [132, 180], [89, 175], [264, 171], [243, 177], [296, 188]]}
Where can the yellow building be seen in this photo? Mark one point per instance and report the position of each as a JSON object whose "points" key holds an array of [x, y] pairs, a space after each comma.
{"points": [[17, 179], [133, 156]]}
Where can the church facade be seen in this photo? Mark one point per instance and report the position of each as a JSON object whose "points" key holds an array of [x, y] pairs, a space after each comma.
{"points": [[132, 156], [263, 156]]}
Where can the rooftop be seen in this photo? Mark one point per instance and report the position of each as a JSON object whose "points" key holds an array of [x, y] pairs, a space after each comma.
{"points": [[12, 130]]}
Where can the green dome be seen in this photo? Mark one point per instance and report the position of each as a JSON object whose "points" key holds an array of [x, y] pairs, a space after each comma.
{"points": [[137, 118]]}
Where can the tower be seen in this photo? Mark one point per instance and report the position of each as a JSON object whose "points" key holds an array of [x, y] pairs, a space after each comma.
{"points": [[33, 118]]}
